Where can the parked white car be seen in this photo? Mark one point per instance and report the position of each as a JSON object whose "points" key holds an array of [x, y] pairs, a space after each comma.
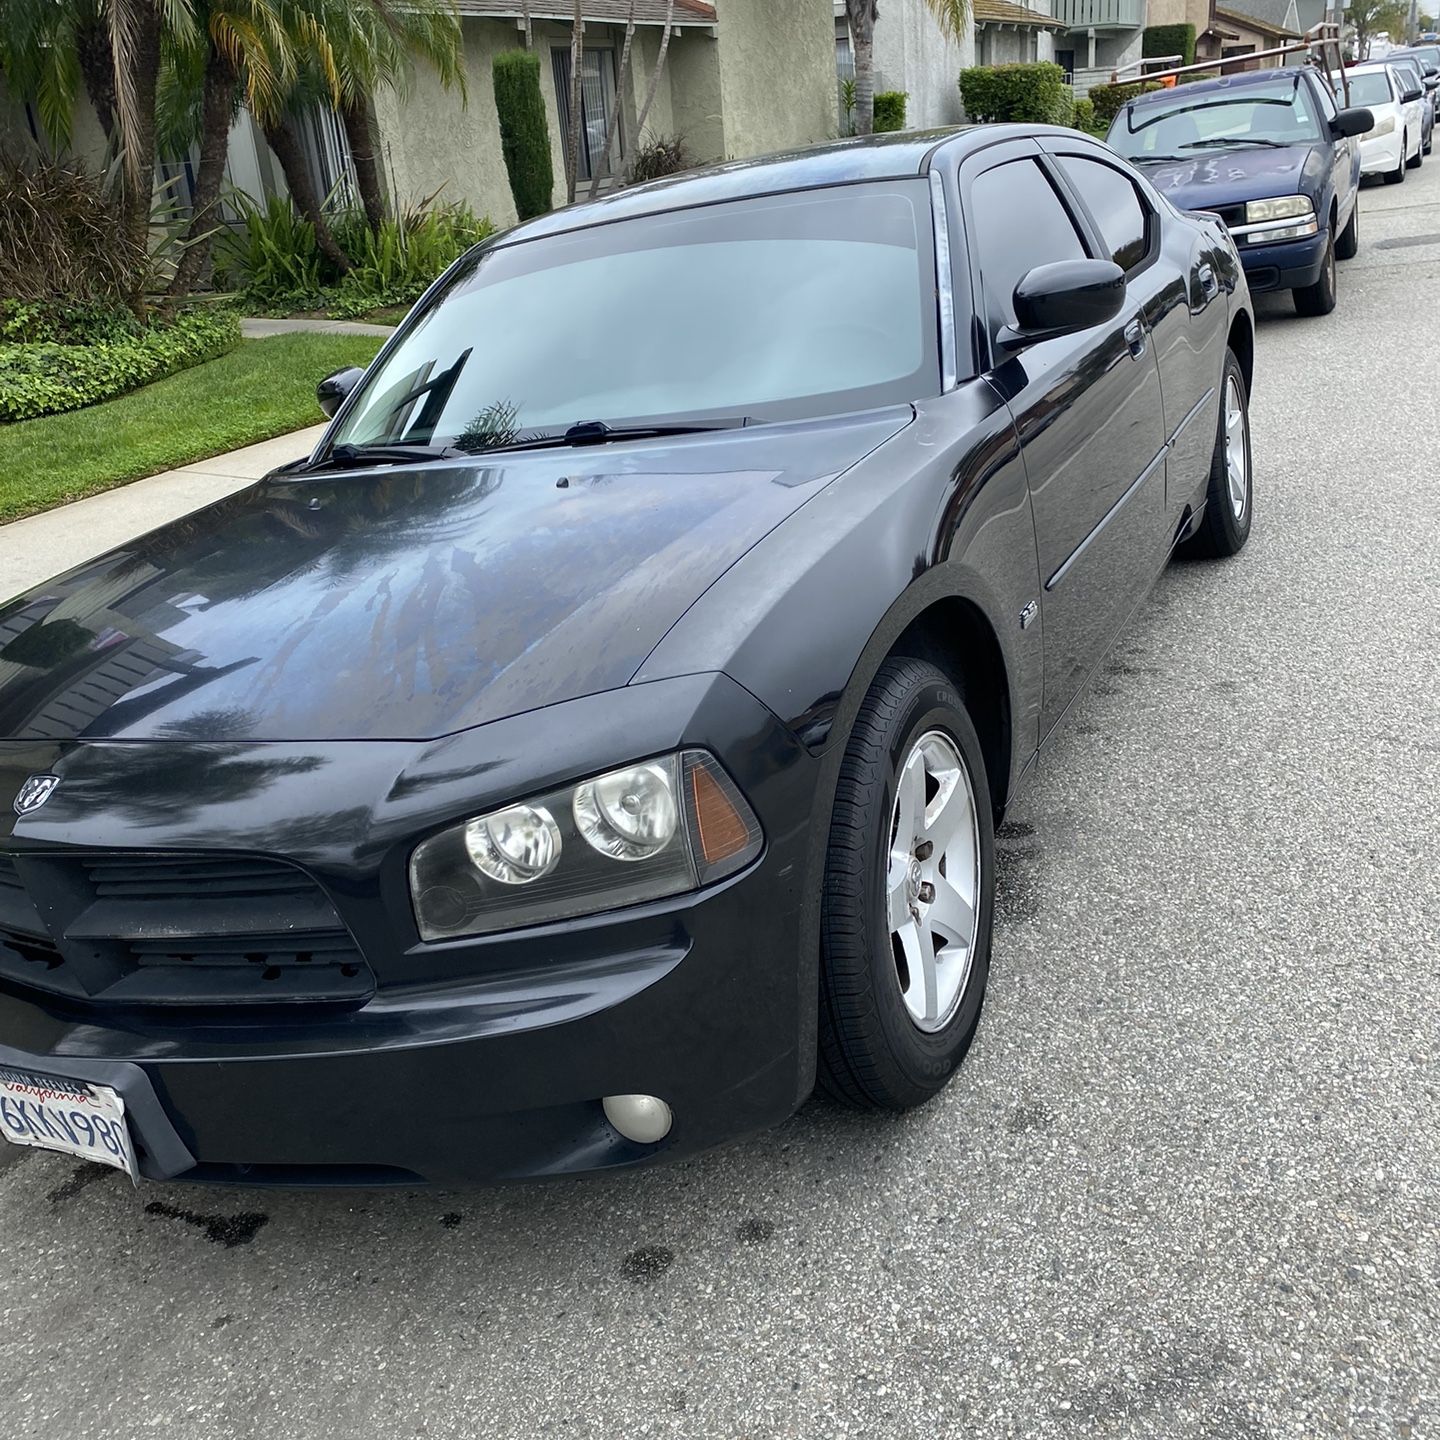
{"points": [[1393, 142]]}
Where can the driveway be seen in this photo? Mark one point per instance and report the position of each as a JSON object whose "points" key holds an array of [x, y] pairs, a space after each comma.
{"points": [[1187, 1185]]}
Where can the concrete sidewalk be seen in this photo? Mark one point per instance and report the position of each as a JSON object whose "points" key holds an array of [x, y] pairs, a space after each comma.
{"points": [[34, 549], [261, 328]]}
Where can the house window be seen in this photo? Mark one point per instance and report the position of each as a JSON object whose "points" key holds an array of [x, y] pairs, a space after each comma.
{"points": [[597, 95]]}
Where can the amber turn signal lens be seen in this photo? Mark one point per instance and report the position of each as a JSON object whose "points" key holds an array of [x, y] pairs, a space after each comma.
{"points": [[723, 831]]}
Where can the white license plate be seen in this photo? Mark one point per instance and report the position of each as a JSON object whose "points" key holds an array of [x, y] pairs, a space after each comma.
{"points": [[70, 1116]]}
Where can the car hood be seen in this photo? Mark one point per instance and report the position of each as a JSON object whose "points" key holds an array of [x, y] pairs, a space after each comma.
{"points": [[408, 602], [1215, 178]]}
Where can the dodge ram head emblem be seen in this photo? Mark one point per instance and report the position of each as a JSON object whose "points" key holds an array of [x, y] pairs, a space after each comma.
{"points": [[35, 792]]}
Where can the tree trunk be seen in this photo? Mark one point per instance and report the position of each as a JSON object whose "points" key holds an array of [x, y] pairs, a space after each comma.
{"points": [[862, 35], [98, 69], [135, 69], [359, 120], [577, 65], [282, 138], [217, 112], [655, 74], [614, 114]]}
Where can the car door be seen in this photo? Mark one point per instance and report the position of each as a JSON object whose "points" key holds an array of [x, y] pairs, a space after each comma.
{"points": [[1344, 155], [1087, 411], [1174, 278]]}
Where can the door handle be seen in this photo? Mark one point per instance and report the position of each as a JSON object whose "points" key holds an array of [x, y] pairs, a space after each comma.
{"points": [[1209, 285], [1135, 338]]}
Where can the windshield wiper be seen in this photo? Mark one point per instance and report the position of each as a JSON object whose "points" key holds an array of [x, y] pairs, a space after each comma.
{"points": [[599, 432], [1229, 142], [395, 452]]}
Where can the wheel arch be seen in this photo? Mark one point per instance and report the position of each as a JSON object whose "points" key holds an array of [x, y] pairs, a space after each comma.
{"points": [[954, 635], [1241, 340]]}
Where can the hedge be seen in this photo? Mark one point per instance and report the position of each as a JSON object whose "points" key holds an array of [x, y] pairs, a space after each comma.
{"points": [[1109, 100], [1031, 92], [1161, 40], [890, 110], [524, 133], [45, 377], [1084, 116]]}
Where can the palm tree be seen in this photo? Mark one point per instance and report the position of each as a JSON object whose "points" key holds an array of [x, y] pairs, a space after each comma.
{"points": [[360, 46], [952, 16], [238, 47], [655, 73]]}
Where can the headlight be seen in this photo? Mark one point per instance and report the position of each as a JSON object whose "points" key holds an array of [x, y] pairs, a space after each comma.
{"points": [[638, 833], [1381, 127], [1281, 208]]}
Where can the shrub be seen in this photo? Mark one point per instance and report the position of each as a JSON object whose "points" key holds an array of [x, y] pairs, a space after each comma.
{"points": [[44, 377], [1083, 117], [395, 264], [1032, 92], [1198, 75], [524, 132], [890, 111], [273, 257], [274, 262], [1169, 40], [24, 322], [1109, 99], [660, 155], [62, 236]]}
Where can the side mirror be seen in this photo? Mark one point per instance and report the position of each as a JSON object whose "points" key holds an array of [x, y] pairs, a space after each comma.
{"points": [[1351, 122], [1064, 297], [334, 390], [1410, 95]]}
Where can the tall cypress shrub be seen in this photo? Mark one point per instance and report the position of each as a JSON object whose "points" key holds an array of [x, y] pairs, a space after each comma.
{"points": [[524, 133]]}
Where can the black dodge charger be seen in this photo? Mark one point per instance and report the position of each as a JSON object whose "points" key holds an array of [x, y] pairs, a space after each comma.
{"points": [[597, 743]]}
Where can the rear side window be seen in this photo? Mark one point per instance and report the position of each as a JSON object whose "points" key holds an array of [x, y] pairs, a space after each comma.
{"points": [[1018, 222], [1112, 199]]}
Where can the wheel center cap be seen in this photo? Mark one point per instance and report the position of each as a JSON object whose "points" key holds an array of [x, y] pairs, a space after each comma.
{"points": [[914, 881]]}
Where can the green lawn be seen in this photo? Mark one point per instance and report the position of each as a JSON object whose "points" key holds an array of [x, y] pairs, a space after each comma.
{"points": [[264, 388]]}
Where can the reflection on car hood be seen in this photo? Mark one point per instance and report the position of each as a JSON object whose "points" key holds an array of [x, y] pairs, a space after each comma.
{"points": [[1229, 177], [407, 602]]}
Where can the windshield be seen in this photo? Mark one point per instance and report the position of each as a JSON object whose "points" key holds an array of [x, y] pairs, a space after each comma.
{"points": [[1429, 56], [1279, 114], [1370, 89], [778, 307]]}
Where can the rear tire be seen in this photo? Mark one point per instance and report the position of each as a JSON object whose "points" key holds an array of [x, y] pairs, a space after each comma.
{"points": [[1230, 495], [1418, 159], [1319, 298], [1348, 244], [908, 900]]}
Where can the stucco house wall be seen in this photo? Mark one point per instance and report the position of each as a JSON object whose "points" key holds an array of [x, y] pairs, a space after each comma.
{"points": [[777, 73], [914, 55]]}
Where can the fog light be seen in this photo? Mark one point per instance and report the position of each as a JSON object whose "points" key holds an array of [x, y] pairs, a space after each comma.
{"points": [[641, 1118]]}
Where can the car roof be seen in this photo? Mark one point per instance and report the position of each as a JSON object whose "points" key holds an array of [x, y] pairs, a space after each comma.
{"points": [[1245, 80], [894, 156]]}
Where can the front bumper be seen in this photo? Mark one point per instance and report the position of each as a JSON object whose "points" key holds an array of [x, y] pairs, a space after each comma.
{"points": [[1380, 155], [471, 1060], [1289, 265]]}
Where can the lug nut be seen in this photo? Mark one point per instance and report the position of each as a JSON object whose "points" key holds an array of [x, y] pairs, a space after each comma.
{"points": [[927, 893], [925, 849]]}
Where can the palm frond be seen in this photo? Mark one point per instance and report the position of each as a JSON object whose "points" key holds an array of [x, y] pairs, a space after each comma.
{"points": [[952, 16]]}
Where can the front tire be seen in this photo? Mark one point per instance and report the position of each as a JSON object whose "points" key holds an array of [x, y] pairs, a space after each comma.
{"points": [[1230, 494], [1347, 246], [1319, 298], [1397, 175], [908, 896]]}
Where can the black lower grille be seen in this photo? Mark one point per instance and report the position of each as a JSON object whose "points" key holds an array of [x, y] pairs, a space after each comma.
{"points": [[174, 931]]}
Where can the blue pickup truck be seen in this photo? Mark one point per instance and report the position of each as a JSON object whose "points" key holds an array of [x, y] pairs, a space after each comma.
{"points": [[1269, 152]]}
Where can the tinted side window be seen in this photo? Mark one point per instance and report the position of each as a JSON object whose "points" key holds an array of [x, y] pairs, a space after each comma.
{"points": [[1112, 200], [1018, 222]]}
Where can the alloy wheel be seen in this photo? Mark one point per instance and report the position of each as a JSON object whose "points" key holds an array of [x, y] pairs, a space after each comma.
{"points": [[932, 881], [1237, 467]]}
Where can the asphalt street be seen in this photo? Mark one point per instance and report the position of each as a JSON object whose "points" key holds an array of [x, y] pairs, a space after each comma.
{"points": [[1187, 1184]]}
